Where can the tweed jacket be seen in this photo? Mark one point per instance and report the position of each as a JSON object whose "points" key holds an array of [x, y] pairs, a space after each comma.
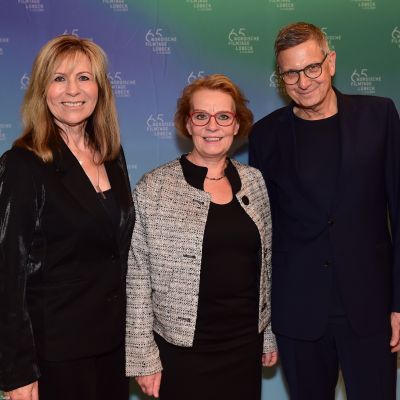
{"points": [[165, 260]]}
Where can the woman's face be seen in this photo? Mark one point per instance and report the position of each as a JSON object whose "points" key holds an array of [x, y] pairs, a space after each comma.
{"points": [[73, 92], [212, 141]]}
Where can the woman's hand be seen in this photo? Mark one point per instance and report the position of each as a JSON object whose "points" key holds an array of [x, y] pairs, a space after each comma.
{"points": [[28, 392], [269, 359], [150, 384]]}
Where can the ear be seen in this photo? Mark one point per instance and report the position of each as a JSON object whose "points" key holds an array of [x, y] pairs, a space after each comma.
{"points": [[189, 127], [332, 63], [236, 129]]}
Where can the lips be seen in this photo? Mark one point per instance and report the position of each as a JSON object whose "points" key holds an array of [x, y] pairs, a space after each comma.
{"points": [[212, 139]]}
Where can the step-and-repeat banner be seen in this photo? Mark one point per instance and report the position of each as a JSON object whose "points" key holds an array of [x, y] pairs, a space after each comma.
{"points": [[155, 47]]}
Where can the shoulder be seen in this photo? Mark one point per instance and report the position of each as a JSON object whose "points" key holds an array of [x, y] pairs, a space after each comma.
{"points": [[167, 173], [247, 173], [365, 103], [18, 160], [269, 123]]}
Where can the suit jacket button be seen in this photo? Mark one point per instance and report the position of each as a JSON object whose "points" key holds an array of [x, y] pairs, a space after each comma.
{"points": [[245, 200]]}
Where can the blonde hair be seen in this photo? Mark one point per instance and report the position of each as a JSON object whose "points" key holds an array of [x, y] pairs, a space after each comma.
{"points": [[220, 82], [40, 133]]}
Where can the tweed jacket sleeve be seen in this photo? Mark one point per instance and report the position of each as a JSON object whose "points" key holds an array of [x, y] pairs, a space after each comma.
{"points": [[142, 355]]}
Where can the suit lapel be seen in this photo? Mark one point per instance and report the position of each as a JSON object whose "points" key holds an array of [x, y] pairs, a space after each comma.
{"points": [[346, 146], [121, 190], [76, 182]]}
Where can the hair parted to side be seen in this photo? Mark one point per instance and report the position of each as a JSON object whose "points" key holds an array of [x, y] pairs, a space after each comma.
{"points": [[220, 82], [40, 132], [299, 32]]}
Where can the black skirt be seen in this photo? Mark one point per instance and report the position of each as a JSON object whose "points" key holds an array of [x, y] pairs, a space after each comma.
{"points": [[230, 373]]}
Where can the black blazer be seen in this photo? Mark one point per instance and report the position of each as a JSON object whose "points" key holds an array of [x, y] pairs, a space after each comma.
{"points": [[351, 236], [62, 263]]}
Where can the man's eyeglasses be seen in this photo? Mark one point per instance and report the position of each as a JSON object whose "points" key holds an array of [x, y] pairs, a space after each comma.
{"points": [[311, 71], [222, 118]]}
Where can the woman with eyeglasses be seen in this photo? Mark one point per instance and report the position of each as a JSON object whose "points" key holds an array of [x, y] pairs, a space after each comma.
{"points": [[198, 280]]}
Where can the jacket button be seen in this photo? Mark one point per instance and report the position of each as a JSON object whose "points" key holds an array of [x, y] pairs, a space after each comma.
{"points": [[327, 263], [245, 200], [331, 222]]}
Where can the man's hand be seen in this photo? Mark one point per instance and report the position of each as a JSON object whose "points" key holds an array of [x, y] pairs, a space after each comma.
{"points": [[150, 384], [28, 392], [395, 339]]}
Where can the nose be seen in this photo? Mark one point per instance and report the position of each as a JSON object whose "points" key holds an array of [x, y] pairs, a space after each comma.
{"points": [[72, 87], [303, 81], [212, 123]]}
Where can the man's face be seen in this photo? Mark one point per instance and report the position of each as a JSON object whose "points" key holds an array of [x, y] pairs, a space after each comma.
{"points": [[308, 93]]}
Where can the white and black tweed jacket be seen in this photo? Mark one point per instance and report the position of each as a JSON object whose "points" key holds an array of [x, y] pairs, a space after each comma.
{"points": [[165, 259]]}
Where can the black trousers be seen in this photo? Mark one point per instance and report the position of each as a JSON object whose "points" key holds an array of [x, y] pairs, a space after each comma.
{"points": [[96, 378], [311, 367]]}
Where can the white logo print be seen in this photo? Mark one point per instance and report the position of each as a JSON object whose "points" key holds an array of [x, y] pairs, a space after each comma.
{"points": [[241, 42], [158, 42], [158, 127], [364, 83]]}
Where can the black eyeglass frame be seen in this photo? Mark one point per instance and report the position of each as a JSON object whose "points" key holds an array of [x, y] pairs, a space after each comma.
{"points": [[304, 70]]}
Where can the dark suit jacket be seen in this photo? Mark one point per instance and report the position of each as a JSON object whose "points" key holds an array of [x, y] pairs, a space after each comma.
{"points": [[351, 236], [62, 263]]}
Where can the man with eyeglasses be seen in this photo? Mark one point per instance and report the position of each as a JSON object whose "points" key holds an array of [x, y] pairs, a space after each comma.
{"points": [[331, 163]]}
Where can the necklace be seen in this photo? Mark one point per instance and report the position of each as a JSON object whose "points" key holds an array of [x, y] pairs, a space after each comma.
{"points": [[215, 179]]}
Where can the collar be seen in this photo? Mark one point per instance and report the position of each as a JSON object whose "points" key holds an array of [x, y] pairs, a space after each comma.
{"points": [[195, 175]]}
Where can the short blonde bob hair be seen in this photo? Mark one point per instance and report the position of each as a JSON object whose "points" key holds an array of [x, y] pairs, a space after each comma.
{"points": [[220, 82], [40, 132]]}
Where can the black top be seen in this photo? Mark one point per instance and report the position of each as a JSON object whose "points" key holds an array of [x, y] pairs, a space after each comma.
{"points": [[228, 298], [317, 145], [107, 198]]}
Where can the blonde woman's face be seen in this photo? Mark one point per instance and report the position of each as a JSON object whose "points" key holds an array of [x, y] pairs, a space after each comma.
{"points": [[73, 92]]}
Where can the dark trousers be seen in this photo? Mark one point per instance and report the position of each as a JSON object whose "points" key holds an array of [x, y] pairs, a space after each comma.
{"points": [[311, 367], [96, 378]]}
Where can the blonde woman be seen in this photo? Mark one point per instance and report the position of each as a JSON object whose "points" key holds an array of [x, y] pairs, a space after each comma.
{"points": [[66, 217]]}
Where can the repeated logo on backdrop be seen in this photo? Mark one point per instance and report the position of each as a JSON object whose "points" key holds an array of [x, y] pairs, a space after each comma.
{"points": [[331, 38], [3, 42], [159, 126], [364, 82], [121, 87], [241, 41], [117, 5], [32, 5], [4, 127], [195, 75], [365, 4], [158, 42], [396, 36], [201, 5], [276, 83], [24, 81], [284, 5]]}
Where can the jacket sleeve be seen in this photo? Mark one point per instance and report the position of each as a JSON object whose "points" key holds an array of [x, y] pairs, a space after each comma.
{"points": [[269, 338], [142, 355], [19, 213], [392, 172]]}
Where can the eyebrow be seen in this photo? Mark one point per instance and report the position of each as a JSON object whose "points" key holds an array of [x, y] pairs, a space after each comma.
{"points": [[78, 73]]}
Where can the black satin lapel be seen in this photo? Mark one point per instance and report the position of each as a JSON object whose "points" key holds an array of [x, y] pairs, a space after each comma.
{"points": [[77, 183], [347, 136], [119, 182]]}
